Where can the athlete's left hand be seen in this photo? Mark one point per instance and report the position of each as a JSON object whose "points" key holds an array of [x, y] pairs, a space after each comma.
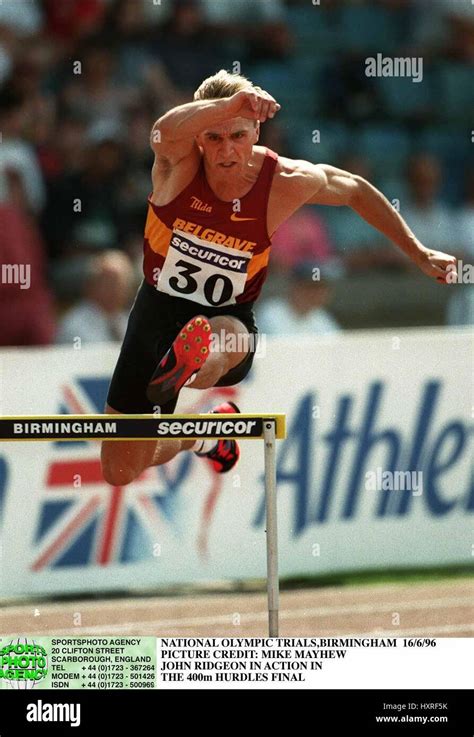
{"points": [[441, 266]]}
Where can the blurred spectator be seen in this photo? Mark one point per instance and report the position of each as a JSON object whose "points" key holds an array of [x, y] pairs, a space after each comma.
{"points": [[27, 80], [304, 311], [7, 43], [348, 92], [65, 152], [136, 183], [274, 136], [446, 32], [94, 92], [102, 313], [430, 219], [24, 17], [15, 153], [83, 212], [156, 14], [460, 17], [187, 47], [261, 26], [303, 237], [70, 20], [244, 11], [127, 32], [26, 306], [456, 20]]}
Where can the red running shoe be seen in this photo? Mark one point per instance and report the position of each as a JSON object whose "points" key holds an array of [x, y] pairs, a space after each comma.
{"points": [[226, 453], [186, 356]]}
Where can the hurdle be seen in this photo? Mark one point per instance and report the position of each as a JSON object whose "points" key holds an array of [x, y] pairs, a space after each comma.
{"points": [[266, 427]]}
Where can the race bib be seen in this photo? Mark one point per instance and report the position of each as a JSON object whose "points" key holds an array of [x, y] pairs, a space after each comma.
{"points": [[203, 272]]}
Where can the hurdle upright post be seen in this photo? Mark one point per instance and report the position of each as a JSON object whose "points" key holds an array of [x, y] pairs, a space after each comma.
{"points": [[272, 526]]}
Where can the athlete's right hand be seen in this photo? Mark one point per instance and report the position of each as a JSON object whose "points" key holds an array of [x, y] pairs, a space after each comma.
{"points": [[255, 105]]}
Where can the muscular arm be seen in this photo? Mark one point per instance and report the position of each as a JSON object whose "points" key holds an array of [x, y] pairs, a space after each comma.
{"points": [[172, 136], [337, 187]]}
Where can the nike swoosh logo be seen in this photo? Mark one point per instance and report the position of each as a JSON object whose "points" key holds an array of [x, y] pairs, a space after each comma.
{"points": [[170, 381], [236, 219]]}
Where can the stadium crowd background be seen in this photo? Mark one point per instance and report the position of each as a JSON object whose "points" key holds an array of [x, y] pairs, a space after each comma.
{"points": [[82, 81]]}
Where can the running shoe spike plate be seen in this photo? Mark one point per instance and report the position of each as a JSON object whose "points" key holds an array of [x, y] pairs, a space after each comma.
{"points": [[187, 355]]}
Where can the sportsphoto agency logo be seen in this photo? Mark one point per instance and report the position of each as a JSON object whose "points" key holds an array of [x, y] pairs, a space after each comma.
{"points": [[23, 663]]}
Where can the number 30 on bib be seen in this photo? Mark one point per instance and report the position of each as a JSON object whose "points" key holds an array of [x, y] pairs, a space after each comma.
{"points": [[203, 272]]}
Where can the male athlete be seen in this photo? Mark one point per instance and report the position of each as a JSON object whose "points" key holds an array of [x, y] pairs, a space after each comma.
{"points": [[217, 199]]}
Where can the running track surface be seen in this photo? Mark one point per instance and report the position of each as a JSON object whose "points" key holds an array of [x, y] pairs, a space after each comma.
{"points": [[437, 609]]}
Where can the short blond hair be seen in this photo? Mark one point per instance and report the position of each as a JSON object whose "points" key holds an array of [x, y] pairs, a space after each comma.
{"points": [[223, 84]]}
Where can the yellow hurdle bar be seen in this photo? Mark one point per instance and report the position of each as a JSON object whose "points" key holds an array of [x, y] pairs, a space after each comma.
{"points": [[139, 427]]}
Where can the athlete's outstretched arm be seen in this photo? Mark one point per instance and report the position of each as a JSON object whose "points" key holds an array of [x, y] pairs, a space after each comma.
{"points": [[337, 187], [173, 134]]}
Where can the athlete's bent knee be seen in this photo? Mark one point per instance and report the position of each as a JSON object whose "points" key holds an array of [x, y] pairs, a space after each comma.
{"points": [[118, 475], [115, 470]]}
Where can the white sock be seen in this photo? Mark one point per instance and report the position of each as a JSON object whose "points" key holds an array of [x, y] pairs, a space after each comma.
{"points": [[204, 446]]}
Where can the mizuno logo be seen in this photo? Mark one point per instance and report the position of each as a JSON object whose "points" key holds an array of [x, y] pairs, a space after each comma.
{"points": [[236, 218]]}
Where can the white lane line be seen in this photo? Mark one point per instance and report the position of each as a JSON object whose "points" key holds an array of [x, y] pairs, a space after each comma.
{"points": [[285, 615], [151, 626], [444, 629], [214, 600]]}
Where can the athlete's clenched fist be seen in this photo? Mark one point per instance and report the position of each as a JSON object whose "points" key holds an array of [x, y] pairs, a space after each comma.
{"points": [[253, 104]]}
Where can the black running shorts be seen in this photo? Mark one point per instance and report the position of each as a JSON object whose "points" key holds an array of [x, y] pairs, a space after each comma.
{"points": [[154, 322]]}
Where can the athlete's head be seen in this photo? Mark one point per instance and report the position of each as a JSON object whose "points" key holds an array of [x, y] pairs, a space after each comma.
{"points": [[227, 145]]}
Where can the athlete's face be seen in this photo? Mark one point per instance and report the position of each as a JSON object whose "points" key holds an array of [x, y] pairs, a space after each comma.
{"points": [[227, 147]]}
